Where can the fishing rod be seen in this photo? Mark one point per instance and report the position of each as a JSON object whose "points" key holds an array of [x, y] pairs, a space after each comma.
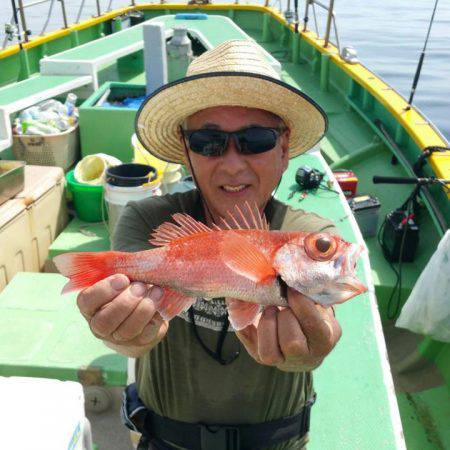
{"points": [[422, 56], [16, 21], [377, 179], [434, 209]]}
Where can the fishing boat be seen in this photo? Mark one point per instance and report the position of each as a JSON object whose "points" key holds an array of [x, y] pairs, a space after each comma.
{"points": [[382, 387]]}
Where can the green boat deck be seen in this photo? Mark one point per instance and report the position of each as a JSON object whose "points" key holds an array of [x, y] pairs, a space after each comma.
{"points": [[356, 406], [61, 350]]}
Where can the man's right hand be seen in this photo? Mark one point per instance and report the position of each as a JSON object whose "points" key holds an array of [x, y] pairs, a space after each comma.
{"points": [[123, 314]]}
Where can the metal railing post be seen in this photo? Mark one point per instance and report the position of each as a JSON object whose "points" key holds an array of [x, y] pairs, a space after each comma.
{"points": [[98, 7], [23, 20], [306, 18], [329, 18], [63, 10]]}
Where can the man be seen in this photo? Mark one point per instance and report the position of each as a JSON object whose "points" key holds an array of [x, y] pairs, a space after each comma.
{"points": [[235, 125]]}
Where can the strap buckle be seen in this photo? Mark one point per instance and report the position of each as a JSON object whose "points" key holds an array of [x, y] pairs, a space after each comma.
{"points": [[219, 437]]}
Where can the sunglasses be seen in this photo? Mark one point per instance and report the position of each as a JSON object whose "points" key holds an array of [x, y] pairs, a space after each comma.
{"points": [[249, 141]]}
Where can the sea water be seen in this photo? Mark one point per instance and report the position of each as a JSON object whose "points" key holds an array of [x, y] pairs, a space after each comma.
{"points": [[387, 34]]}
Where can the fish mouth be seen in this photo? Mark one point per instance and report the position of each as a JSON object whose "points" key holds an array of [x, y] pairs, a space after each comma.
{"points": [[350, 287]]}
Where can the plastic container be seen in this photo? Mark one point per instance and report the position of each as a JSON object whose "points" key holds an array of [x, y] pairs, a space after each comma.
{"points": [[128, 182], [31, 221], [92, 168], [59, 150], [366, 209], [12, 176], [169, 173], [52, 410], [87, 199]]}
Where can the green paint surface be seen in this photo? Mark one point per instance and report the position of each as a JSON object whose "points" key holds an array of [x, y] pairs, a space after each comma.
{"points": [[426, 418], [217, 28], [352, 408], [43, 333], [81, 236], [32, 86]]}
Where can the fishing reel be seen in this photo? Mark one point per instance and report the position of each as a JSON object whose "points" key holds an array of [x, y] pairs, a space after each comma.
{"points": [[308, 178]]}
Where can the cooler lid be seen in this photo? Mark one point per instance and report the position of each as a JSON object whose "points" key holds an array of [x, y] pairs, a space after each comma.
{"points": [[9, 210], [44, 335], [39, 180]]}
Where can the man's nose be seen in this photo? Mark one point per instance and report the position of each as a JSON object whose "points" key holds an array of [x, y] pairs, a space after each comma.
{"points": [[233, 160]]}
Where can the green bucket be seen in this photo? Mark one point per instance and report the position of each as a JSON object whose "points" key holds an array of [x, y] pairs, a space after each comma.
{"points": [[87, 200]]}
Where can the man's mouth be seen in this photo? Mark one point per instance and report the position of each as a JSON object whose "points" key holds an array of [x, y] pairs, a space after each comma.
{"points": [[233, 189]]}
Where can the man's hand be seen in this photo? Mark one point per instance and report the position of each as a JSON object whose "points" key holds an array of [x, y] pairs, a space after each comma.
{"points": [[123, 314], [293, 339]]}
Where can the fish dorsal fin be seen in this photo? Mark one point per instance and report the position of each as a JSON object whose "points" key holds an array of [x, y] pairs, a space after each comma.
{"points": [[246, 218], [169, 232], [246, 259]]}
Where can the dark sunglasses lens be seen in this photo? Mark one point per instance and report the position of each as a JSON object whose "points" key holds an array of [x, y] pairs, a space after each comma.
{"points": [[257, 140], [207, 142]]}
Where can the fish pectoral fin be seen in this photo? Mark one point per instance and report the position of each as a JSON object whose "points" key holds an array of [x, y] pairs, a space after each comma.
{"points": [[173, 303], [244, 258], [240, 313]]}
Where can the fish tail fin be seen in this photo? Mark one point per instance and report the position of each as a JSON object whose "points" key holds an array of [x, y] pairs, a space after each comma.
{"points": [[85, 268]]}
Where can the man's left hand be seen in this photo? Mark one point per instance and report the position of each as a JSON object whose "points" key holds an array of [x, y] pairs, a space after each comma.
{"points": [[294, 339]]}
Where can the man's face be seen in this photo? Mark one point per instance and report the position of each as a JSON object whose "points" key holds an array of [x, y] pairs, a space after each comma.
{"points": [[234, 178]]}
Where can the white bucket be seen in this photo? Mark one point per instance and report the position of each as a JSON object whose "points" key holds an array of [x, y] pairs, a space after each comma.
{"points": [[117, 197]]}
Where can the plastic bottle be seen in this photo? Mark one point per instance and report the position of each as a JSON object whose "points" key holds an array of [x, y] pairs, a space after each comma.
{"points": [[70, 103], [17, 126], [25, 115], [31, 126]]}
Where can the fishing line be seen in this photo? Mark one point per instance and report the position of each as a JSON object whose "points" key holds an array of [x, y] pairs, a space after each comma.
{"points": [[422, 56]]}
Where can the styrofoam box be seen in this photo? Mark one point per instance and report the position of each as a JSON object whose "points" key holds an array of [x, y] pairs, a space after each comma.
{"points": [[31, 221], [16, 253], [40, 413], [43, 196]]}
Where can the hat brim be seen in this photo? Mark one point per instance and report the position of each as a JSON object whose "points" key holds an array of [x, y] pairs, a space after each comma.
{"points": [[160, 116]]}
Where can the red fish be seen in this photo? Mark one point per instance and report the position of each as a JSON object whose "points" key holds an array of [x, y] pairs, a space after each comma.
{"points": [[241, 260]]}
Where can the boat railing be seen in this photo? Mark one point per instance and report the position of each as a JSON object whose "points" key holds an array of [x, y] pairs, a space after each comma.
{"points": [[331, 20], [17, 28], [20, 31]]}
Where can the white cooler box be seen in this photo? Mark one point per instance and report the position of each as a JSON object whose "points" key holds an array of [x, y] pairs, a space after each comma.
{"points": [[40, 413]]}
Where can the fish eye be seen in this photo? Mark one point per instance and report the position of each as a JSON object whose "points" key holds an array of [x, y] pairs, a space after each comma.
{"points": [[323, 244], [320, 246]]}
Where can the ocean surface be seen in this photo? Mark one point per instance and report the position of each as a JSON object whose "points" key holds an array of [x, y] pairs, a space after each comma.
{"points": [[388, 35]]}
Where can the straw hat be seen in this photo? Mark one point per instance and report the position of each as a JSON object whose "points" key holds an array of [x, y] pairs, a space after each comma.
{"points": [[235, 73]]}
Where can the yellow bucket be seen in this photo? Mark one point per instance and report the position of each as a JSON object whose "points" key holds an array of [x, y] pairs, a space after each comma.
{"points": [[166, 170]]}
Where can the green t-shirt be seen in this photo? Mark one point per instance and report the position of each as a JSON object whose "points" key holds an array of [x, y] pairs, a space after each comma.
{"points": [[177, 378]]}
